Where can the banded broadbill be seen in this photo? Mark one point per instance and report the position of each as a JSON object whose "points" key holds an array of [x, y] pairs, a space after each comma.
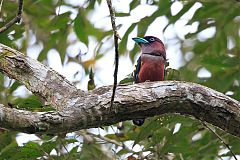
{"points": [[151, 63]]}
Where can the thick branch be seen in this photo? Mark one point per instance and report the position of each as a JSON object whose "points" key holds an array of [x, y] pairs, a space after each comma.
{"points": [[79, 110], [26, 121], [39, 79]]}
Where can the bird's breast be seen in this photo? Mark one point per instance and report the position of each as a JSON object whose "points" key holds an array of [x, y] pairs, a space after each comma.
{"points": [[152, 69]]}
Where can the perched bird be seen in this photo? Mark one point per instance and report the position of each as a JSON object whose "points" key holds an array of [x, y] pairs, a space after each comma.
{"points": [[151, 63]]}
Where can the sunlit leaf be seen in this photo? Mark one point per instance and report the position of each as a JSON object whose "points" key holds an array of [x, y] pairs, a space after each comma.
{"points": [[129, 79]]}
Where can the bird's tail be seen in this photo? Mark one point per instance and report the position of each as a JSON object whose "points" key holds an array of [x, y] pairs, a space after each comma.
{"points": [[138, 122]]}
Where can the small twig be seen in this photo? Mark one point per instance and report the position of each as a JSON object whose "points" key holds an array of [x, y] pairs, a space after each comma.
{"points": [[116, 37], [15, 19], [221, 139], [110, 141]]}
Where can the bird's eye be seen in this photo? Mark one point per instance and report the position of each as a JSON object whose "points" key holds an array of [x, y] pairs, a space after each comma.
{"points": [[152, 39]]}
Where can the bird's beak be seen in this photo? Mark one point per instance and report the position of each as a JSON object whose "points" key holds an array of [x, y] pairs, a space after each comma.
{"points": [[140, 40]]}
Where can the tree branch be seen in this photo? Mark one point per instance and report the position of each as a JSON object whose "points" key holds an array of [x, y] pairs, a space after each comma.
{"points": [[16, 19], [26, 121], [76, 109], [39, 79]]}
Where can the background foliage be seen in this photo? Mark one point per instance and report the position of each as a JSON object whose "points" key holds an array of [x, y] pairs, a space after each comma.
{"points": [[166, 137]]}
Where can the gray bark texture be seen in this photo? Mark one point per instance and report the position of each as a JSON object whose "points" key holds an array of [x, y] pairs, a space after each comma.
{"points": [[76, 109]]}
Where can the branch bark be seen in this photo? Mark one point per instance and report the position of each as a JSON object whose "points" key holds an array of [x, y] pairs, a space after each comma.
{"points": [[76, 109]]}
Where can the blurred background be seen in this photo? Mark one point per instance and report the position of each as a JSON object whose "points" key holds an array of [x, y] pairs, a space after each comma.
{"points": [[202, 39]]}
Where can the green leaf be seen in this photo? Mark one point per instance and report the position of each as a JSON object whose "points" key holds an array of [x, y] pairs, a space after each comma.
{"points": [[60, 21], [30, 103], [163, 7], [92, 151], [49, 146], [123, 43], [80, 27], [134, 4], [43, 54], [122, 14], [14, 86], [208, 9], [121, 137], [9, 151], [74, 151], [172, 74], [127, 80], [146, 131], [6, 138], [30, 150], [201, 47], [1, 82]]}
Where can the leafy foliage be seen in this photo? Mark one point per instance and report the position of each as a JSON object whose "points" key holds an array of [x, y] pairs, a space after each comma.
{"points": [[163, 137]]}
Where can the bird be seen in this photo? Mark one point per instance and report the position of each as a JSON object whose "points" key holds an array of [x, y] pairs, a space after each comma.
{"points": [[150, 65]]}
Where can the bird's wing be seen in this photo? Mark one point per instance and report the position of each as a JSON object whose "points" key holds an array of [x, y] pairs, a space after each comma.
{"points": [[137, 69]]}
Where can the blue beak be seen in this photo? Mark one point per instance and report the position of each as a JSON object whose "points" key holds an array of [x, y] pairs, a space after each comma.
{"points": [[140, 40]]}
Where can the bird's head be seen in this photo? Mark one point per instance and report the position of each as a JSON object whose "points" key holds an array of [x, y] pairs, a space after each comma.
{"points": [[151, 45]]}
